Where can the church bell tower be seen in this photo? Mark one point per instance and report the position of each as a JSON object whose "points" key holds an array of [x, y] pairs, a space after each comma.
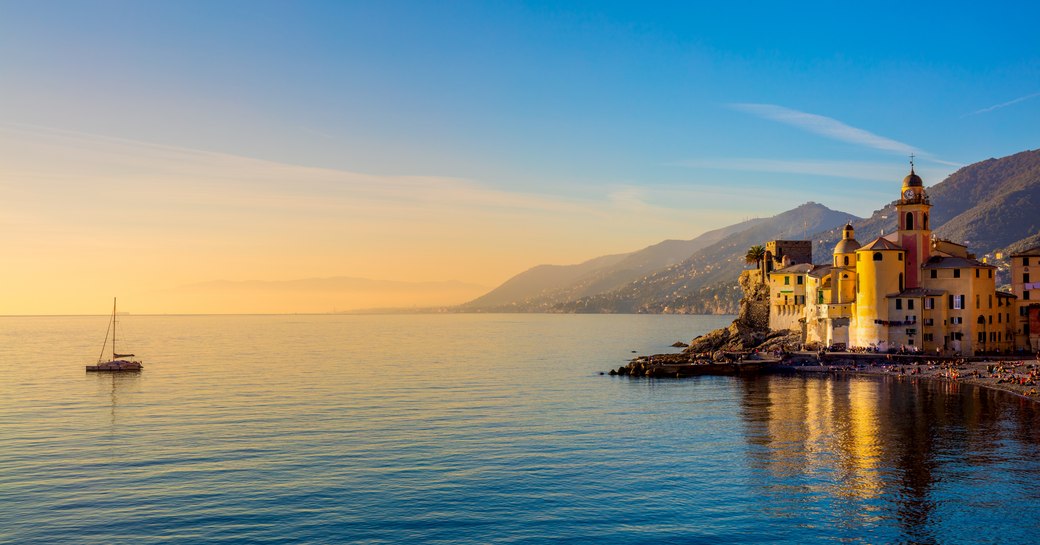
{"points": [[915, 231]]}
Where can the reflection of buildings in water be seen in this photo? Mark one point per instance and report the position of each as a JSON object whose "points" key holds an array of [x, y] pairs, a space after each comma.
{"points": [[817, 428], [859, 448], [832, 441]]}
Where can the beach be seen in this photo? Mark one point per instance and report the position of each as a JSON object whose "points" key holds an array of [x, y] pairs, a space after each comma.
{"points": [[1016, 376]]}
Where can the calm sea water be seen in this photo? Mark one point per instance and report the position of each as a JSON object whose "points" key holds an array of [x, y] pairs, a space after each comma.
{"points": [[483, 429]]}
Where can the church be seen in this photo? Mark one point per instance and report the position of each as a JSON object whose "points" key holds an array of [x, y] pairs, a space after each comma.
{"points": [[904, 290]]}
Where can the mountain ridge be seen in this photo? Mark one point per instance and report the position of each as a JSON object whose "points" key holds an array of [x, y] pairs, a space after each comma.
{"points": [[990, 205]]}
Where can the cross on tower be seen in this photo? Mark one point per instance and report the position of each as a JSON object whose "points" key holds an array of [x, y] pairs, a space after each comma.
{"points": [[911, 161]]}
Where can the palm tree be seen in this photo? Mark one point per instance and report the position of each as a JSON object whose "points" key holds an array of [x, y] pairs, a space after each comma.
{"points": [[755, 254]]}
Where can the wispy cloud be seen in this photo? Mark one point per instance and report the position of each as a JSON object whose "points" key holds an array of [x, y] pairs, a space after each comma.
{"points": [[884, 172], [860, 170], [1005, 104], [825, 126]]}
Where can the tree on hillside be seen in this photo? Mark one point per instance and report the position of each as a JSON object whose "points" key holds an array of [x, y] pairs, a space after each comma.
{"points": [[755, 254]]}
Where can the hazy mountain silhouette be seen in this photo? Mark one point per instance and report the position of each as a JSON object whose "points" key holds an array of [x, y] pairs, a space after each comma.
{"points": [[991, 205]]}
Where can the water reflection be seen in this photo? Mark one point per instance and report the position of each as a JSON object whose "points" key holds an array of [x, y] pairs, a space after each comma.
{"points": [[868, 449], [113, 385]]}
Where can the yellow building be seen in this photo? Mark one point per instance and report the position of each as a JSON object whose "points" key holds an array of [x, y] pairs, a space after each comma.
{"points": [[905, 290], [1025, 285], [787, 296]]}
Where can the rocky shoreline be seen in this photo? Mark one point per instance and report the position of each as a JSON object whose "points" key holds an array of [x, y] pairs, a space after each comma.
{"points": [[1019, 376]]}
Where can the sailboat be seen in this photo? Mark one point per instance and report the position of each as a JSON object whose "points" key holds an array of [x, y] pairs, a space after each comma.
{"points": [[119, 362]]}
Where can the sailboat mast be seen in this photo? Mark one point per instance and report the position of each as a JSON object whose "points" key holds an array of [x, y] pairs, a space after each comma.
{"points": [[113, 328]]}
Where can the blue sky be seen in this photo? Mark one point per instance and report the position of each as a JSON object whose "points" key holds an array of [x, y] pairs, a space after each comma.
{"points": [[702, 113]]}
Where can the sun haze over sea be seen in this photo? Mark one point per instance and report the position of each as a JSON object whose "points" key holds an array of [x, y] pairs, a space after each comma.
{"points": [[327, 156]]}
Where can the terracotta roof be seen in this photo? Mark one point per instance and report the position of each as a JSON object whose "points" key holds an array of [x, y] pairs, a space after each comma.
{"points": [[943, 262], [880, 243]]}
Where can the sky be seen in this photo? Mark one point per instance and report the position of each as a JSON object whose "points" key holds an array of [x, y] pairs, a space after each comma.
{"points": [[216, 156]]}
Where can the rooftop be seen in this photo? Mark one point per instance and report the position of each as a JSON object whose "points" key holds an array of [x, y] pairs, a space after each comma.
{"points": [[943, 262], [1029, 252], [917, 292], [880, 243], [797, 268]]}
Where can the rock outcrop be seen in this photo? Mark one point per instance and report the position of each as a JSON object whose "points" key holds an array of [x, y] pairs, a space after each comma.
{"points": [[750, 330]]}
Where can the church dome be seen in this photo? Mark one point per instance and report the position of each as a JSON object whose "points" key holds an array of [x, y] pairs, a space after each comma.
{"points": [[912, 180], [846, 246], [848, 243]]}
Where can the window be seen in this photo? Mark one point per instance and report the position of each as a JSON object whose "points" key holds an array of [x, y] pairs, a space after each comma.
{"points": [[929, 303], [899, 256], [977, 272], [877, 256], [1025, 261], [956, 273], [909, 221], [990, 319], [957, 302], [1025, 295], [859, 257], [928, 321], [927, 337], [982, 337], [998, 318], [935, 273], [910, 304], [846, 261], [990, 301], [978, 301], [1025, 278], [900, 281], [801, 280], [990, 273], [787, 280], [957, 320], [899, 304]]}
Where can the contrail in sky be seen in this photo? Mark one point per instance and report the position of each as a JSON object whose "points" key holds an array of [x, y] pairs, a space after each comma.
{"points": [[1005, 104]]}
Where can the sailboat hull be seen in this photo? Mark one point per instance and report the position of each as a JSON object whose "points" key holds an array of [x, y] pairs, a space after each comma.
{"points": [[116, 366]]}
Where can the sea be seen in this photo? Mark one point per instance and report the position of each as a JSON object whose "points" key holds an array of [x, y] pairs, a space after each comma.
{"points": [[474, 429]]}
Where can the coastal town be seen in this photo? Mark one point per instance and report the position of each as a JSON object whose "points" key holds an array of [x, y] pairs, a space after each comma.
{"points": [[906, 304], [907, 290]]}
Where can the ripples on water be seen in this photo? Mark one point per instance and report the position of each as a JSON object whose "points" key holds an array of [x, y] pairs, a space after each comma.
{"points": [[477, 429]]}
